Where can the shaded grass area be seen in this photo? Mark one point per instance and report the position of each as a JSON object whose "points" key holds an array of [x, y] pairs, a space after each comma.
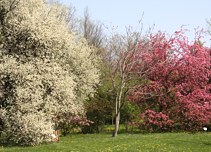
{"points": [[156, 142]]}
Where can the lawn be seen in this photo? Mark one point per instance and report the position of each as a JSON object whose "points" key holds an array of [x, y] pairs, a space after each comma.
{"points": [[157, 142]]}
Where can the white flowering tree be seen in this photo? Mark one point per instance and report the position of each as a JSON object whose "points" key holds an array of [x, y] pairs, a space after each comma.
{"points": [[44, 70]]}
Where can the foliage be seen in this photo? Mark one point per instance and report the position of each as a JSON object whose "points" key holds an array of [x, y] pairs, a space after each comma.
{"points": [[100, 108], [130, 114], [100, 113], [68, 123], [44, 70], [154, 121], [177, 87]]}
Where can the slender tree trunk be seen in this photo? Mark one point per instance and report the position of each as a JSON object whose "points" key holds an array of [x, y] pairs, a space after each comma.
{"points": [[117, 118], [116, 125], [112, 120], [118, 106]]}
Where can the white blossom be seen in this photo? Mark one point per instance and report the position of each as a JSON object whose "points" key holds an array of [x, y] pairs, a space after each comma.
{"points": [[49, 70]]}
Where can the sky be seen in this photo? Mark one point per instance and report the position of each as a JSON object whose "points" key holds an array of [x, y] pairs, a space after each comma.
{"points": [[165, 15]]}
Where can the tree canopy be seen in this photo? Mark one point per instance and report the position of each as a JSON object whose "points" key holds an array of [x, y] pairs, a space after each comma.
{"points": [[176, 90], [45, 70]]}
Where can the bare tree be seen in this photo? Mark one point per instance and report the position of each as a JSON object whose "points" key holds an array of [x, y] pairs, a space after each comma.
{"points": [[72, 20], [92, 31], [121, 50]]}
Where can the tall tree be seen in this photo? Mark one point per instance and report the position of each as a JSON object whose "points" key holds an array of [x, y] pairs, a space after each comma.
{"points": [[44, 72], [92, 31], [120, 50], [176, 91]]}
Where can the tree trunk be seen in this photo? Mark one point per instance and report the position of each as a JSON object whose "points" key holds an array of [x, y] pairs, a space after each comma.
{"points": [[116, 125], [117, 117], [118, 106], [126, 126]]}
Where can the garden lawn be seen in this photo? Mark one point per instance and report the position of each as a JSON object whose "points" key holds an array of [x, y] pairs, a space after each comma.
{"points": [[157, 142]]}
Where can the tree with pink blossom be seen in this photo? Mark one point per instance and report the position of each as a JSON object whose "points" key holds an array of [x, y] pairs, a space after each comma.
{"points": [[175, 88]]}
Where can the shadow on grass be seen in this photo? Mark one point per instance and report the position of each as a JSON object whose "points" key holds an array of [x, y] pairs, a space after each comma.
{"points": [[8, 145], [207, 143]]}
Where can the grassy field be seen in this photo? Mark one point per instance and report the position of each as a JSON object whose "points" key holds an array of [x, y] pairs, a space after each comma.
{"points": [[157, 142]]}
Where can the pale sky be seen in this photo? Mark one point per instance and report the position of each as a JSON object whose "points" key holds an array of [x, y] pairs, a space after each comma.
{"points": [[166, 15]]}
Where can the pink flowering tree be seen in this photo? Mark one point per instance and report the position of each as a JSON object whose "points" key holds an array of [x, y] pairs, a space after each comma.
{"points": [[175, 82]]}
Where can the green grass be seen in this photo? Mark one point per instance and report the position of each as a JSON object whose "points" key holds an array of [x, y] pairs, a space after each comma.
{"points": [[157, 142]]}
